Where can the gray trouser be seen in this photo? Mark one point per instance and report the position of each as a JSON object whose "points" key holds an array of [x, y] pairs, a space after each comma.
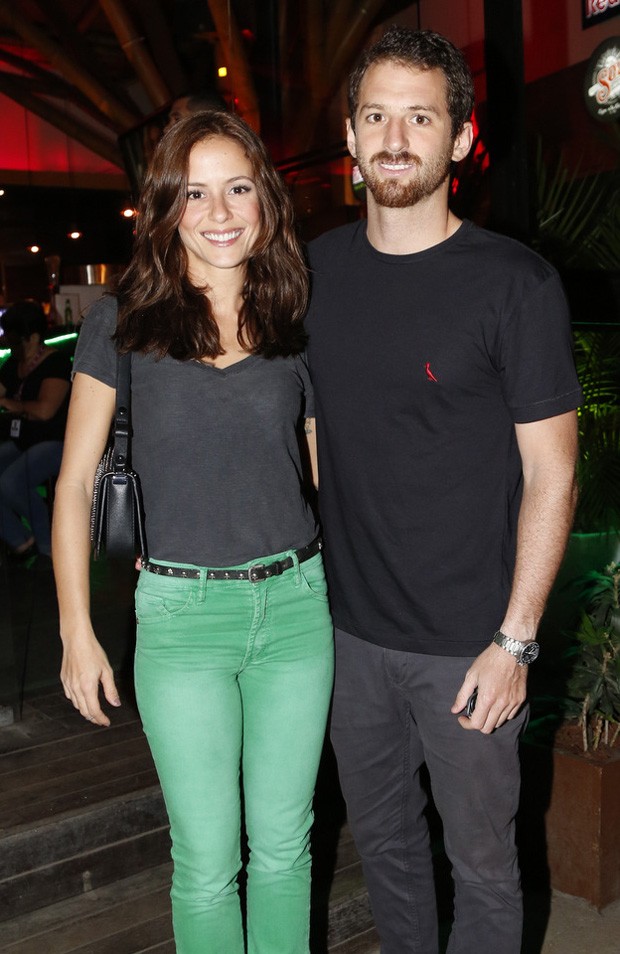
{"points": [[391, 713]]}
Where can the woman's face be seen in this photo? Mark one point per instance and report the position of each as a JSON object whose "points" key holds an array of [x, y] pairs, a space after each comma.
{"points": [[221, 222]]}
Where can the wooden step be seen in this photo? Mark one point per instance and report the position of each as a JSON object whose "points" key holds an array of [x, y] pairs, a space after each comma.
{"points": [[82, 851], [133, 915], [94, 919], [80, 807]]}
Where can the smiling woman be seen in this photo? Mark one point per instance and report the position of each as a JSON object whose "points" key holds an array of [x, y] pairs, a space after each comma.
{"points": [[234, 642]]}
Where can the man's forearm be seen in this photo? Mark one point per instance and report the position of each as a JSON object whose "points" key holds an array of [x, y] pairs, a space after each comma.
{"points": [[545, 521]]}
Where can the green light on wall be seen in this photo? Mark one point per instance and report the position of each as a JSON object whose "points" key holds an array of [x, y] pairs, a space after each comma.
{"points": [[5, 352]]}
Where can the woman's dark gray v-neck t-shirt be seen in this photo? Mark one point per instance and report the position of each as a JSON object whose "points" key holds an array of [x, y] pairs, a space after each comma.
{"points": [[216, 449]]}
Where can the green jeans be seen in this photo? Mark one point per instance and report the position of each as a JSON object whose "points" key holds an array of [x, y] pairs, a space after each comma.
{"points": [[233, 681]]}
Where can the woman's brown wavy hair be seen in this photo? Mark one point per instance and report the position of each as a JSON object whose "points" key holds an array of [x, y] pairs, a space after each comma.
{"points": [[160, 310]]}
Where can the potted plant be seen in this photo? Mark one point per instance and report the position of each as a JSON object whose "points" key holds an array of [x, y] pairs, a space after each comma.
{"points": [[581, 767], [593, 690]]}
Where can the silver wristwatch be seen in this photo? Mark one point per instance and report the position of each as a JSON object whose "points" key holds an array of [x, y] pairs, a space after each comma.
{"points": [[524, 652]]}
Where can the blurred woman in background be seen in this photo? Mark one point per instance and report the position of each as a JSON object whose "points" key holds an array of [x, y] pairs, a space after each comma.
{"points": [[34, 395]]}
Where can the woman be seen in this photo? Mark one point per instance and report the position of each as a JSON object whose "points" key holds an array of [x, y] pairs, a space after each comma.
{"points": [[233, 662], [34, 389]]}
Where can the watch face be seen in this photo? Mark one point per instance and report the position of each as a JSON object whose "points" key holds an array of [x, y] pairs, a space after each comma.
{"points": [[530, 653]]}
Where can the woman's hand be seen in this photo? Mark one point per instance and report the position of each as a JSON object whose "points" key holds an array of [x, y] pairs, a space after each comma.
{"points": [[83, 669]]}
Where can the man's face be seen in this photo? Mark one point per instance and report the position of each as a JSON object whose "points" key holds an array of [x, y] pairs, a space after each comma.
{"points": [[403, 136]]}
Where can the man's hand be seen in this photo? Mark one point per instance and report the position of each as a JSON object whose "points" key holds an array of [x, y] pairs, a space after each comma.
{"points": [[501, 685]]}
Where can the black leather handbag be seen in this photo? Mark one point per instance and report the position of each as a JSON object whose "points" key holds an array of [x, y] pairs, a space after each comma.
{"points": [[117, 514]]}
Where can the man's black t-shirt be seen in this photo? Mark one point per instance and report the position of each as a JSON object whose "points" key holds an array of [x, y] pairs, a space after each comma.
{"points": [[422, 364]]}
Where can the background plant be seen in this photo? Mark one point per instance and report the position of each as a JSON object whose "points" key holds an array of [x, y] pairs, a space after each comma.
{"points": [[577, 228], [593, 691], [597, 357], [577, 218]]}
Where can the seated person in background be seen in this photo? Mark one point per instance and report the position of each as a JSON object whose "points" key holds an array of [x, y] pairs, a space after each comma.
{"points": [[34, 396]]}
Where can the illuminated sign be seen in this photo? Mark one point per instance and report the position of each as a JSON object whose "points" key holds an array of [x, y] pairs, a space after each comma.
{"points": [[595, 11], [602, 81]]}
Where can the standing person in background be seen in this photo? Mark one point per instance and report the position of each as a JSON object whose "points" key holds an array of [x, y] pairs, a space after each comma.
{"points": [[34, 393], [234, 653], [445, 396], [191, 103]]}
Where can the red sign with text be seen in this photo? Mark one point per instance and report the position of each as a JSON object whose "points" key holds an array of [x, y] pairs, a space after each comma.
{"points": [[595, 11]]}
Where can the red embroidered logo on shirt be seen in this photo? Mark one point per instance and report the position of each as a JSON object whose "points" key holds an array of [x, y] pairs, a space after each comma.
{"points": [[429, 373]]}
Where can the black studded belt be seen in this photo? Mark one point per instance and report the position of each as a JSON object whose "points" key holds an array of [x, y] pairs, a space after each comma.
{"points": [[260, 571]]}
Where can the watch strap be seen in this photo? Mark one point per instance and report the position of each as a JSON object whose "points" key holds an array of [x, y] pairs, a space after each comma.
{"points": [[516, 647]]}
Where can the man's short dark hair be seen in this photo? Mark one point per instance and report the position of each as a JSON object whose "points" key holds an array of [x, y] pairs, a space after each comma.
{"points": [[423, 50], [204, 99]]}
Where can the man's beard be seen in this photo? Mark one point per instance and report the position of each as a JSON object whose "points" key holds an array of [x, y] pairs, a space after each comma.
{"points": [[396, 194]]}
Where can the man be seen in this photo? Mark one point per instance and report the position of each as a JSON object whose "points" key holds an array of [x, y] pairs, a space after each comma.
{"points": [[446, 394], [190, 103]]}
